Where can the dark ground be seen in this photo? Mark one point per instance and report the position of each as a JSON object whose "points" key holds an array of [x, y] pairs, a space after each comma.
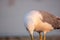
{"points": [[28, 38]]}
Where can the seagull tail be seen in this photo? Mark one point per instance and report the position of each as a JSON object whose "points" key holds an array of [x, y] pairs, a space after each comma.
{"points": [[58, 19]]}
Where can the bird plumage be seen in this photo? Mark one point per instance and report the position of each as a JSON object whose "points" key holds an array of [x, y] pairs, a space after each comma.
{"points": [[41, 21], [51, 19]]}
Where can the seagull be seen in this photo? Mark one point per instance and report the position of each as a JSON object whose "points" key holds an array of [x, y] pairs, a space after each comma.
{"points": [[40, 21]]}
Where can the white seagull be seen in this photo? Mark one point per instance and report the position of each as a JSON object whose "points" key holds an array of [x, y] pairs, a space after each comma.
{"points": [[41, 21]]}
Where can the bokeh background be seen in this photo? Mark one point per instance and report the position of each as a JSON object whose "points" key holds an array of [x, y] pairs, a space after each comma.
{"points": [[13, 11]]}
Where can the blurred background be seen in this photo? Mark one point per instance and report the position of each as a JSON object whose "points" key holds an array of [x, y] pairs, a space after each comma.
{"points": [[13, 11]]}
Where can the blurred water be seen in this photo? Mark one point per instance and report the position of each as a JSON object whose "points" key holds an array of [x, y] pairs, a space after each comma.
{"points": [[11, 17]]}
